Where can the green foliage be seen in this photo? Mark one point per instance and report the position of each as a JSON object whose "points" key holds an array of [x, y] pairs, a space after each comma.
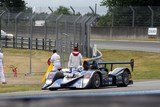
{"points": [[123, 14], [13, 5], [19, 87], [28, 10], [114, 3], [146, 63], [62, 10], [105, 20]]}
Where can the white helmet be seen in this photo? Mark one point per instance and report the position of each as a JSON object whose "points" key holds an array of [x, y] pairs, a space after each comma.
{"points": [[80, 68]]}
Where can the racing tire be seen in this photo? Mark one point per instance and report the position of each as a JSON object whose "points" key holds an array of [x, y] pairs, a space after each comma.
{"points": [[96, 81], [125, 79]]}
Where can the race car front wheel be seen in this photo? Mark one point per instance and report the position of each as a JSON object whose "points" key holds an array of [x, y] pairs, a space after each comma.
{"points": [[96, 81]]}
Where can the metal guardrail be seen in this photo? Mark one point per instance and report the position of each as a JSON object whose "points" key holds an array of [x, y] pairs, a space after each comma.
{"points": [[98, 57], [24, 43], [50, 26]]}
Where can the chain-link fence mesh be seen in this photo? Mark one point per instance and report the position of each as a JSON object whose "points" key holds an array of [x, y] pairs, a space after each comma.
{"points": [[47, 32], [132, 22], [135, 16]]}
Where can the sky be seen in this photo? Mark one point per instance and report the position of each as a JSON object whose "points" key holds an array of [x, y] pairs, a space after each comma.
{"points": [[78, 5]]}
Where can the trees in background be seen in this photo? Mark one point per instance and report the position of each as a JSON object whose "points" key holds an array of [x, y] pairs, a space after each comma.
{"points": [[105, 20], [120, 11], [62, 10], [115, 3], [14, 6]]}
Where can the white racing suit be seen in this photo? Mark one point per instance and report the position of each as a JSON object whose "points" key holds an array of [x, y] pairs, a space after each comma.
{"points": [[2, 77], [75, 60], [55, 59]]}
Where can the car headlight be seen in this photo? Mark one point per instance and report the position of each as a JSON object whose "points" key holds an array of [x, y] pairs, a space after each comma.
{"points": [[48, 81]]}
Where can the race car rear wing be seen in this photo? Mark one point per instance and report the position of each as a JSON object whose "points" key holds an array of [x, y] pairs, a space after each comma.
{"points": [[131, 62]]}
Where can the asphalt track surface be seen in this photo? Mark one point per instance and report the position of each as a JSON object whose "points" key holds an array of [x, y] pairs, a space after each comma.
{"points": [[87, 101], [140, 87], [140, 94], [147, 46]]}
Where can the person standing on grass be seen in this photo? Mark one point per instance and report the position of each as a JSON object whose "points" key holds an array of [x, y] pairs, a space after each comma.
{"points": [[2, 77], [55, 59]]}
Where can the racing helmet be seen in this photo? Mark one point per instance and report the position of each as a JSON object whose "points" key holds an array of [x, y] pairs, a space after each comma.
{"points": [[80, 68]]}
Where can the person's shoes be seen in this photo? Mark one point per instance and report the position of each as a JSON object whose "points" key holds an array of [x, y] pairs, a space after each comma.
{"points": [[4, 82]]}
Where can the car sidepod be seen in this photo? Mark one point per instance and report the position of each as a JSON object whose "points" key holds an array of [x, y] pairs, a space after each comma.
{"points": [[88, 79], [56, 84], [69, 82], [83, 81]]}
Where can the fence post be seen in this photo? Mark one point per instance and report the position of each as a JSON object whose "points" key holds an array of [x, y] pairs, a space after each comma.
{"points": [[112, 18], [13, 42], [83, 38], [152, 15], [92, 10], [95, 11], [36, 43], [0, 27], [88, 23], [75, 27], [8, 15], [49, 45], [133, 15], [21, 42], [42, 44], [6, 41], [29, 42], [45, 38], [16, 30], [57, 28], [66, 24], [72, 10]]}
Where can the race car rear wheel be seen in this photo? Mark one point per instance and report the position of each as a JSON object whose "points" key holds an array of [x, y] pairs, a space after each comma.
{"points": [[96, 81], [125, 79]]}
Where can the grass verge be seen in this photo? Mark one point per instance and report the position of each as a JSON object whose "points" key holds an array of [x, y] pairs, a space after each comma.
{"points": [[146, 67], [146, 63]]}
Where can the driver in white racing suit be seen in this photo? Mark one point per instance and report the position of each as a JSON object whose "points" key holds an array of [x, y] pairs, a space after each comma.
{"points": [[75, 60], [55, 59]]}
